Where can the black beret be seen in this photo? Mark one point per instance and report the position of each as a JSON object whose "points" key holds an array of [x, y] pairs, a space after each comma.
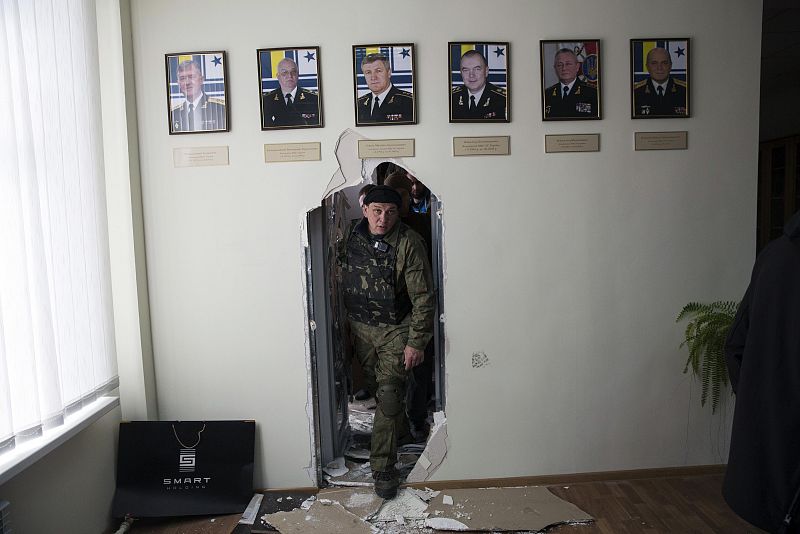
{"points": [[383, 194]]}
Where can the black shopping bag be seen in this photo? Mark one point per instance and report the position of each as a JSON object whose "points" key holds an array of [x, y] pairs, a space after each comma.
{"points": [[173, 468]]}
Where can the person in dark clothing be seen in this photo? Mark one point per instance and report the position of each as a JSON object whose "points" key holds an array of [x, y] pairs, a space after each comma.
{"points": [[762, 352]]}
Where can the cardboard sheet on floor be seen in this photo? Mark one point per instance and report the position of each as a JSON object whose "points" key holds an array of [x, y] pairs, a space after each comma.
{"points": [[501, 509], [360, 501], [322, 518]]}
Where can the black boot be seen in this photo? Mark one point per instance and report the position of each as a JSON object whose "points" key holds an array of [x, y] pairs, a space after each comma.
{"points": [[386, 483]]}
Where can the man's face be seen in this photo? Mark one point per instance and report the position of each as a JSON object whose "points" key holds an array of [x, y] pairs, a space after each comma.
{"points": [[191, 82], [659, 64], [418, 189], [473, 72], [377, 76], [567, 66], [287, 75], [381, 216]]}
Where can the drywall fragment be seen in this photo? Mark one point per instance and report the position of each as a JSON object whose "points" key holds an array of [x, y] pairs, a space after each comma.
{"points": [[321, 518], [406, 505], [504, 509], [434, 453], [424, 462], [447, 499], [362, 502], [445, 523], [425, 494], [336, 468]]}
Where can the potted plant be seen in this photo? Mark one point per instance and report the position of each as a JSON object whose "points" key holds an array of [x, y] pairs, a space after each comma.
{"points": [[705, 335]]}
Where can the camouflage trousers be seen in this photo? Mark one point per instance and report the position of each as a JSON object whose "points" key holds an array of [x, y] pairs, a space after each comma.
{"points": [[379, 350]]}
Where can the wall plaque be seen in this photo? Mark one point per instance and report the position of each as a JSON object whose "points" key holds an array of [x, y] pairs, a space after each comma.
{"points": [[285, 152], [572, 143], [200, 156], [385, 148], [661, 140], [482, 146]]}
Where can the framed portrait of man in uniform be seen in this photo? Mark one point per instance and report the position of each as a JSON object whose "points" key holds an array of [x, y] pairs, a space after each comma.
{"points": [[479, 82], [660, 78], [570, 79], [290, 87], [197, 93], [384, 80]]}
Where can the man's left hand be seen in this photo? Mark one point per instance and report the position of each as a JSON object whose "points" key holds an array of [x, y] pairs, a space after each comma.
{"points": [[412, 357]]}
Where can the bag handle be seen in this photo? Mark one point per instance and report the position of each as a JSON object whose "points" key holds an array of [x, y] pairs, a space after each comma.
{"points": [[182, 443]]}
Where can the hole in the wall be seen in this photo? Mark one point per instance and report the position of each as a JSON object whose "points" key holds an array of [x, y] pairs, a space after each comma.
{"points": [[342, 411]]}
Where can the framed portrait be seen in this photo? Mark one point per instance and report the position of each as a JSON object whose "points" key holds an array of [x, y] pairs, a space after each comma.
{"points": [[197, 92], [660, 78], [384, 84], [479, 82], [290, 87], [570, 79]]}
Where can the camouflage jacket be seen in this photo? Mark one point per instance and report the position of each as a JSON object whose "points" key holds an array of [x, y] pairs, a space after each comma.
{"points": [[403, 269]]}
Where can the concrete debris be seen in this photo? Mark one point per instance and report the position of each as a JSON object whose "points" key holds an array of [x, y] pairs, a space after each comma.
{"points": [[425, 494], [360, 501], [306, 504], [406, 505]]}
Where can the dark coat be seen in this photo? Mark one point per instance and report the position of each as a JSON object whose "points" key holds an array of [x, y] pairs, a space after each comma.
{"points": [[763, 357], [492, 105], [581, 102], [397, 108], [212, 115], [647, 103], [304, 111]]}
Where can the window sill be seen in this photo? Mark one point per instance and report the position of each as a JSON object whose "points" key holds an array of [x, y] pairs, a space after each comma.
{"points": [[27, 453]]}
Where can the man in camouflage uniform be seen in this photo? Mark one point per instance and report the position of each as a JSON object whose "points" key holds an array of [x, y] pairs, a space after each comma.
{"points": [[388, 294]]}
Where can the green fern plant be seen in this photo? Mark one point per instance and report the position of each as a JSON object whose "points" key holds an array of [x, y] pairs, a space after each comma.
{"points": [[705, 335]]}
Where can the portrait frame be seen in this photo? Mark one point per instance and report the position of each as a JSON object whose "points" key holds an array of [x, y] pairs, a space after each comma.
{"points": [[494, 100], [584, 99], [402, 97], [645, 103], [306, 108], [213, 106]]}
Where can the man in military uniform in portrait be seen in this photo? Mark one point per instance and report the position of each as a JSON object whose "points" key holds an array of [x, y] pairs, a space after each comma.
{"points": [[571, 97], [198, 111], [289, 105], [388, 295], [660, 95], [385, 103], [478, 99]]}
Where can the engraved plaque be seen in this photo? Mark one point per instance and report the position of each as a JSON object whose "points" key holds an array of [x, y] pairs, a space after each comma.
{"points": [[482, 146], [572, 143], [200, 156], [661, 140]]}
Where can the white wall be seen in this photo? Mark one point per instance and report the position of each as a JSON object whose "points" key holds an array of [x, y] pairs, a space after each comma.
{"points": [[566, 270], [70, 489]]}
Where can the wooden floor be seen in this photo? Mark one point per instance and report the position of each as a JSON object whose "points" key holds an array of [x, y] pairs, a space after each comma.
{"points": [[675, 504], [684, 505]]}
